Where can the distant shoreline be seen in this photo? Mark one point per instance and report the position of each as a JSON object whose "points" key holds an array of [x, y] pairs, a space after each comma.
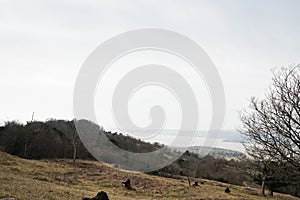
{"points": [[227, 139]]}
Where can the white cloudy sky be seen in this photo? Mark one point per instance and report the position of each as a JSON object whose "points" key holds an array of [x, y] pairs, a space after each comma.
{"points": [[44, 43]]}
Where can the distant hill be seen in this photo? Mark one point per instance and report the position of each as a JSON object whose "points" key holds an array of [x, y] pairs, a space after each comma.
{"points": [[216, 152], [225, 139]]}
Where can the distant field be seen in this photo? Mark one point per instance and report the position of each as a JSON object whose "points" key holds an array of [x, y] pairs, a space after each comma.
{"points": [[58, 179]]}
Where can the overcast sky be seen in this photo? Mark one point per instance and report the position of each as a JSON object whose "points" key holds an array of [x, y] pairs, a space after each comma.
{"points": [[44, 43]]}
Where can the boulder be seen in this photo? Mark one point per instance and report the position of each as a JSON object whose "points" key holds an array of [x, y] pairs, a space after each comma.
{"points": [[100, 196], [227, 190]]}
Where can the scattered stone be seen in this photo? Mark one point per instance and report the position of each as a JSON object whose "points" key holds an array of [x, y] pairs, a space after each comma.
{"points": [[227, 190], [100, 196], [127, 184], [196, 184]]}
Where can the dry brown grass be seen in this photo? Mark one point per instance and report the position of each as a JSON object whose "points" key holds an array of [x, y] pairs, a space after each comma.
{"points": [[58, 179]]}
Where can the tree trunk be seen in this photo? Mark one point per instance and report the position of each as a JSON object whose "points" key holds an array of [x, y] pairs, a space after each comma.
{"points": [[26, 139], [263, 186], [26, 146], [74, 154], [271, 193], [189, 181]]}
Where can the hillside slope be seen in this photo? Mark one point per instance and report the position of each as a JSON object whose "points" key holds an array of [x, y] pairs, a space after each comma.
{"points": [[58, 179]]}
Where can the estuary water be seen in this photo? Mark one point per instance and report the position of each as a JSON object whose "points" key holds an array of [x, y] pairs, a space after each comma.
{"points": [[225, 139]]}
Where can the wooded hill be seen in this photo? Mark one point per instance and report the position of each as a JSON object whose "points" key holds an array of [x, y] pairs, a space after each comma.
{"points": [[59, 139]]}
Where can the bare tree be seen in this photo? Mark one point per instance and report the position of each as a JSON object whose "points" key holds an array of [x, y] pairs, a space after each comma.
{"points": [[67, 129], [26, 138], [74, 139], [271, 127]]}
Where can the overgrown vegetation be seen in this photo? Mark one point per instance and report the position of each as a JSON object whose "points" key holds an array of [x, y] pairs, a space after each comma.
{"points": [[219, 169]]}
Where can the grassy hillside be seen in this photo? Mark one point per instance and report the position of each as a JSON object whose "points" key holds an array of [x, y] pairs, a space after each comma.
{"points": [[58, 179]]}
